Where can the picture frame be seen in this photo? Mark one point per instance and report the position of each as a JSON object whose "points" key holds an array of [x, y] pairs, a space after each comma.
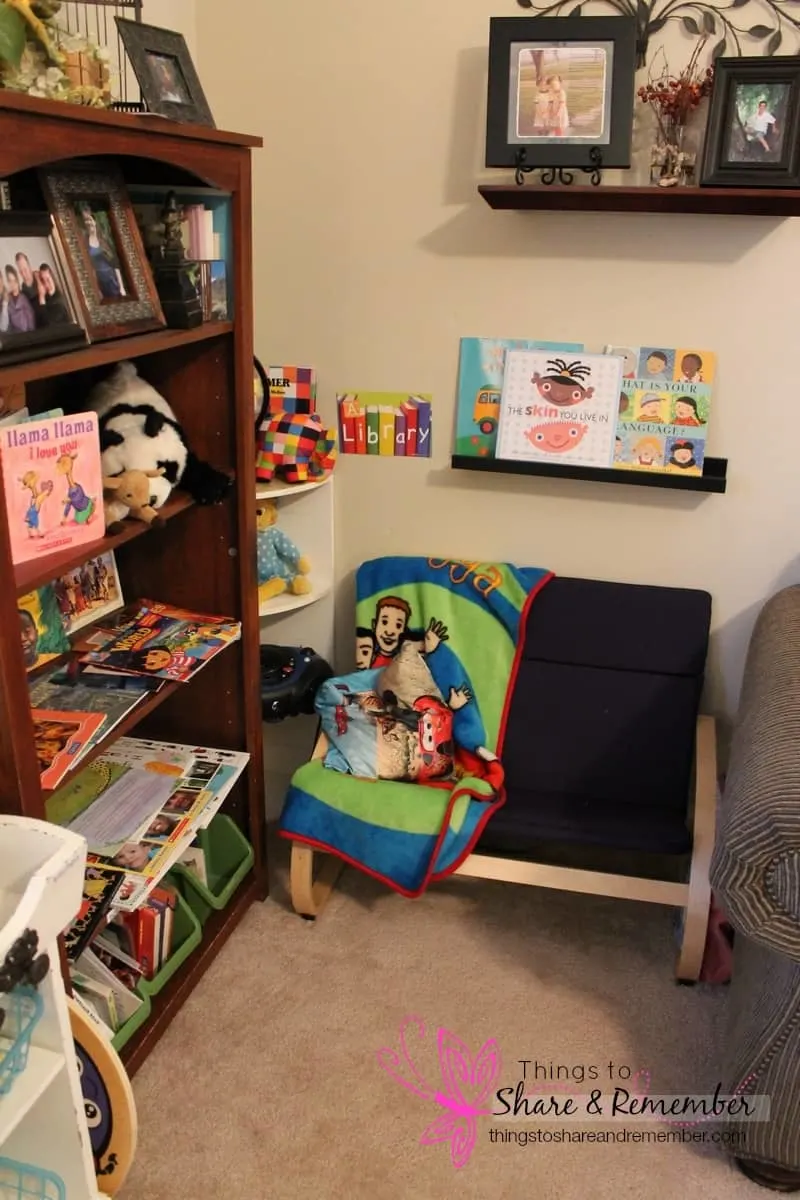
{"points": [[102, 250], [753, 132], [165, 71], [560, 92], [37, 315]]}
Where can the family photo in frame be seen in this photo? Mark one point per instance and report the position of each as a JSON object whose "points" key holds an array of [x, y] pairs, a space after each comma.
{"points": [[37, 317], [102, 250], [560, 91], [753, 133], [167, 76]]}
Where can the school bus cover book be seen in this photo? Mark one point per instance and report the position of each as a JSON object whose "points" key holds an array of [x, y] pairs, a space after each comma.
{"points": [[53, 484], [481, 365]]}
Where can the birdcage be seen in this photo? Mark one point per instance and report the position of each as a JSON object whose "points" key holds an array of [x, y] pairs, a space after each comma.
{"points": [[94, 20]]}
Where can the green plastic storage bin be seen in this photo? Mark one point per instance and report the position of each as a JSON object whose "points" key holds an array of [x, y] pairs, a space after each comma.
{"points": [[229, 856]]}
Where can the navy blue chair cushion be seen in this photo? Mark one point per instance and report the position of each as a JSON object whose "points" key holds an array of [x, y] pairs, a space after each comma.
{"points": [[529, 819], [600, 735]]}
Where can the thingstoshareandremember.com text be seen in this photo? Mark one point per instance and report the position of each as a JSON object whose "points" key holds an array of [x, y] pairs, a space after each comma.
{"points": [[539, 1137]]}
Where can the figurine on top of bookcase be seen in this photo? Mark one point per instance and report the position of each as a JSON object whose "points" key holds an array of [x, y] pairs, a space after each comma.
{"points": [[171, 270]]}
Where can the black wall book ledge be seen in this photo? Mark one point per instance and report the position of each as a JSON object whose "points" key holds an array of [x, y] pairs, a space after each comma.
{"points": [[713, 479]]}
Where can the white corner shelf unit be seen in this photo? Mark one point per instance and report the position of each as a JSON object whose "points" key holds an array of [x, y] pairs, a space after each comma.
{"points": [[306, 515], [42, 1121]]}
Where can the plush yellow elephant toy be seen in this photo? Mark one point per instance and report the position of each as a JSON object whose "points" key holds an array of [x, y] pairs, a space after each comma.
{"points": [[281, 566]]}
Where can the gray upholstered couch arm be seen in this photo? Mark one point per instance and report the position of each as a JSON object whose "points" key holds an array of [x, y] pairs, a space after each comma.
{"points": [[756, 866]]}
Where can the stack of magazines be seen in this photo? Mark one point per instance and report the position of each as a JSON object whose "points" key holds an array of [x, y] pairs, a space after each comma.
{"points": [[157, 641], [135, 652]]}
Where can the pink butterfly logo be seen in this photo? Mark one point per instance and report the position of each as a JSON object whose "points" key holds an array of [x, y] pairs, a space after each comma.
{"points": [[467, 1083]]}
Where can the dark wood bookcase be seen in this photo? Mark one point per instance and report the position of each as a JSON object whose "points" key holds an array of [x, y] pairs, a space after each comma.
{"points": [[204, 557]]}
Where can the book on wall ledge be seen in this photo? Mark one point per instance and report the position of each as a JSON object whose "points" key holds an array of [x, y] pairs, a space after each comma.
{"points": [[665, 406], [560, 410], [481, 366]]}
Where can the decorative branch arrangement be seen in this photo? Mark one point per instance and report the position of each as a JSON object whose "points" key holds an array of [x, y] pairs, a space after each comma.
{"points": [[673, 99], [40, 59], [700, 18]]}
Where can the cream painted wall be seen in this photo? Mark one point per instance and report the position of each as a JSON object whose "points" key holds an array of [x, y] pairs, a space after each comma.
{"points": [[374, 254], [174, 14]]}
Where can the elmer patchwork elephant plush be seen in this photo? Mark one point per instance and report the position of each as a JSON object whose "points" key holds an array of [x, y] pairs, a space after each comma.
{"points": [[295, 446]]}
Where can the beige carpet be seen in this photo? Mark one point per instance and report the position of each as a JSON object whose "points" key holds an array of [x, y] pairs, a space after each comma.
{"points": [[267, 1084]]}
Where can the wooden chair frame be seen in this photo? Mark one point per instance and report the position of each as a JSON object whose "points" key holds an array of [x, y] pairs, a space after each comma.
{"points": [[309, 896]]}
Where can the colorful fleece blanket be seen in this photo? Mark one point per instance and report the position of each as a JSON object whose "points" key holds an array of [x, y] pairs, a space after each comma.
{"points": [[468, 616]]}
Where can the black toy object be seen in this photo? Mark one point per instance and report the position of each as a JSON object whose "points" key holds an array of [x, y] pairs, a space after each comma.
{"points": [[290, 677], [22, 965]]}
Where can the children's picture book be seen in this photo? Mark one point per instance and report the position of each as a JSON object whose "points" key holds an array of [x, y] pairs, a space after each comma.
{"points": [[561, 410], [41, 628], [394, 424], [61, 740], [93, 968], [292, 389], [163, 641], [108, 948], [88, 592], [481, 364], [100, 886], [53, 484], [63, 688], [664, 408]]}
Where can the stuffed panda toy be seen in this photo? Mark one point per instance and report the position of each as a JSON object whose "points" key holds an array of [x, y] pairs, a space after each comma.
{"points": [[139, 432]]}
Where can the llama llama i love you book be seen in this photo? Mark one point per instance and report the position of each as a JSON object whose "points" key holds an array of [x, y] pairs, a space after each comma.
{"points": [[53, 484]]}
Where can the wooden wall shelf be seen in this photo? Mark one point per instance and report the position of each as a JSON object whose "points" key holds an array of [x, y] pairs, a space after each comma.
{"points": [[747, 202], [713, 479]]}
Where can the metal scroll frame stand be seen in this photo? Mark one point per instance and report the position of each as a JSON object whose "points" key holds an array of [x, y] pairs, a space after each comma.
{"points": [[558, 175]]}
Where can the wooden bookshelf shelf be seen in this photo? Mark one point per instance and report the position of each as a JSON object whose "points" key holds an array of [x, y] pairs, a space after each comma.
{"points": [[713, 479], [216, 931], [105, 354], [38, 571], [129, 722], [746, 202]]}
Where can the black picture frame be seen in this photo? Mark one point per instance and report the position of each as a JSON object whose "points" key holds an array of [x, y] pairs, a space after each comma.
{"points": [[507, 147], [736, 152], [152, 51], [54, 332]]}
